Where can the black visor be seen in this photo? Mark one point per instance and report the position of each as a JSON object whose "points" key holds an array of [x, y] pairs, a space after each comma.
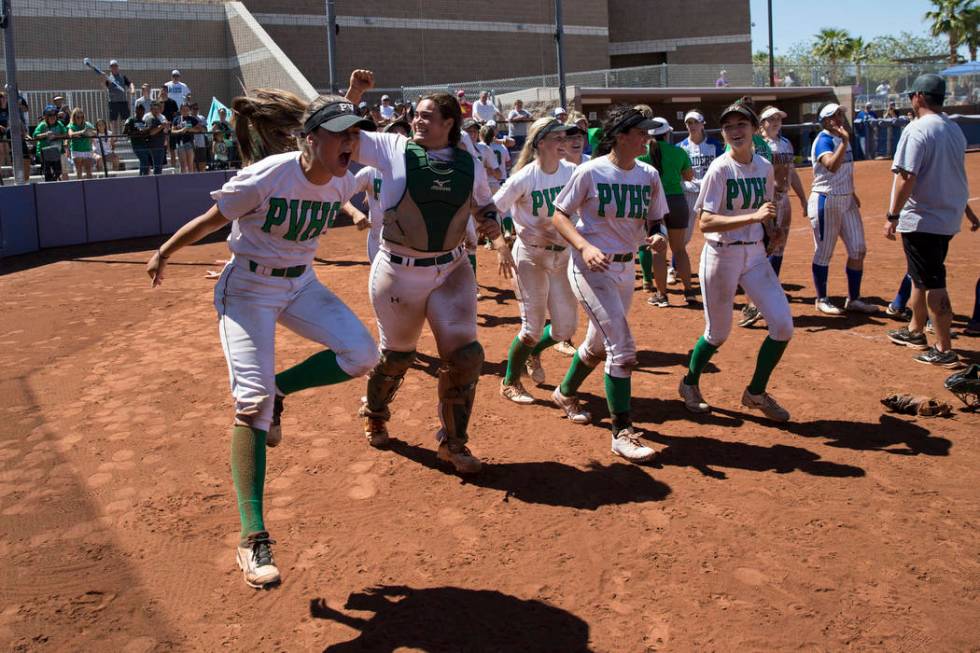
{"points": [[553, 127], [336, 117], [633, 118]]}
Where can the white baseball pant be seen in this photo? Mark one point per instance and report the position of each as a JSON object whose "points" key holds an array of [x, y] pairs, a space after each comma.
{"points": [[723, 269], [832, 216], [606, 297], [542, 281], [405, 297], [250, 304]]}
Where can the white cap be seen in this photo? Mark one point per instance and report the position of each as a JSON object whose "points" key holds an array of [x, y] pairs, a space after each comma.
{"points": [[385, 97], [662, 127], [693, 115], [113, 63], [560, 111], [491, 123], [829, 110], [770, 112], [174, 72]]}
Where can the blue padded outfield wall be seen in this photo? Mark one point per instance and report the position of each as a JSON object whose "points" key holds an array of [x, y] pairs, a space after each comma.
{"points": [[37, 216]]}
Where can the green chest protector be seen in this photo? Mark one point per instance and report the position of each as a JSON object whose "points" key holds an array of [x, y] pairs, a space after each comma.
{"points": [[432, 213]]}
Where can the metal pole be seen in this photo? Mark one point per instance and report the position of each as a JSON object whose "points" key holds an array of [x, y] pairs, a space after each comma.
{"points": [[559, 29], [332, 45], [772, 64], [16, 130]]}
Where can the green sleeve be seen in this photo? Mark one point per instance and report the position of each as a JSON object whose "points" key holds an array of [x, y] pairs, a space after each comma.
{"points": [[686, 158]]}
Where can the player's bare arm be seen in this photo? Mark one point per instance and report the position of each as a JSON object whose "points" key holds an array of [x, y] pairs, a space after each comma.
{"points": [[360, 220], [487, 224], [902, 185], [712, 222], [189, 234], [797, 185], [592, 255], [360, 81]]}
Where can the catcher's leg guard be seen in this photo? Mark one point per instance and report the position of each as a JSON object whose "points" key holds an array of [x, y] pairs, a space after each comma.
{"points": [[384, 381], [457, 387]]}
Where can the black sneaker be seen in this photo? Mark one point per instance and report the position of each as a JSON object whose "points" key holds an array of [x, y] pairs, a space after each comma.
{"points": [[913, 339], [933, 356], [750, 315], [274, 436]]}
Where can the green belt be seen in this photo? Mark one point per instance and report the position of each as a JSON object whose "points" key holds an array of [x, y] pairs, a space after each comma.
{"points": [[622, 258], [289, 273]]}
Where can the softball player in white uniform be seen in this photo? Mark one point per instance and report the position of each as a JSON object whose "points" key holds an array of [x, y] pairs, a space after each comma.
{"points": [[735, 203], [369, 182], [615, 196], [540, 253], [834, 210], [278, 208], [702, 150], [430, 187]]}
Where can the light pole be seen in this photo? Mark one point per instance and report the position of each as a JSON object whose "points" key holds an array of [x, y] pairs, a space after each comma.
{"points": [[559, 30], [16, 130], [332, 45], [772, 65]]}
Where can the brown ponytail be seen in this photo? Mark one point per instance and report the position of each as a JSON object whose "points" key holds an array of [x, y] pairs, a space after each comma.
{"points": [[267, 122]]}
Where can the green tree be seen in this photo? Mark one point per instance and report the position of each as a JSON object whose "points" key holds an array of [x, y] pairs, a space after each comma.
{"points": [[972, 37], [833, 45], [950, 18], [860, 52]]}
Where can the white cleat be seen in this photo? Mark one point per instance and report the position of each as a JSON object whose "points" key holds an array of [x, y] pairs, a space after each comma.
{"points": [[515, 393], [693, 401], [566, 348], [824, 305], [570, 405], [255, 560], [534, 369], [858, 306], [627, 445], [765, 402], [672, 276]]}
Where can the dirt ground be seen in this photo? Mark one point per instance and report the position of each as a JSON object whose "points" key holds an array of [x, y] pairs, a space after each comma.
{"points": [[847, 529]]}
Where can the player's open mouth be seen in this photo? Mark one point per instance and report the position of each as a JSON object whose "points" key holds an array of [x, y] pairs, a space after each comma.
{"points": [[345, 159]]}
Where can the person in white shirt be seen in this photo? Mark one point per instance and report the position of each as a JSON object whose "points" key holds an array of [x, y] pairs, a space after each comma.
{"points": [[484, 110], [614, 197], [144, 100], [176, 89], [278, 207], [387, 109]]}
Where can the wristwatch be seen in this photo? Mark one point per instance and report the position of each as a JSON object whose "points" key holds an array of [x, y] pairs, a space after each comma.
{"points": [[892, 217]]}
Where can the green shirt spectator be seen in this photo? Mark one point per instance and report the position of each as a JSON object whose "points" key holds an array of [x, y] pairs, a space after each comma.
{"points": [[673, 162], [83, 144], [42, 128]]}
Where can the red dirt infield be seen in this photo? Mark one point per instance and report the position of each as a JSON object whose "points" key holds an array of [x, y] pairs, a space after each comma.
{"points": [[846, 529]]}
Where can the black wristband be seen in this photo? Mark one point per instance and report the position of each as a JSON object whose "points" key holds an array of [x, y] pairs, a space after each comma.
{"points": [[892, 217]]}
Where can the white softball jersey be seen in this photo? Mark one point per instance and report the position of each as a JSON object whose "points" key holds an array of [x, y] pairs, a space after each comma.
{"points": [[614, 205], [277, 215], [825, 181], [503, 159], [731, 188], [530, 197], [489, 161], [386, 153], [701, 154], [369, 182]]}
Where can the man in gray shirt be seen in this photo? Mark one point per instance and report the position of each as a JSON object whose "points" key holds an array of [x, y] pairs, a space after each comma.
{"points": [[118, 99], [928, 199]]}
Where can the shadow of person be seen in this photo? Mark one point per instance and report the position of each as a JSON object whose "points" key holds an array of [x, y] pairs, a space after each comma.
{"points": [[705, 454], [646, 358], [342, 263], [552, 483], [453, 619], [888, 435], [814, 322], [495, 294], [488, 321]]}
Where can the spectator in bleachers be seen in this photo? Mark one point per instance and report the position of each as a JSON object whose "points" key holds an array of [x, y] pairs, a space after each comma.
{"points": [[170, 110], [157, 127], [49, 136], [561, 114], [183, 133], [578, 119], [863, 129], [145, 99], [135, 128], [118, 99], [722, 80], [229, 132], [202, 152], [484, 110], [884, 88], [176, 89], [26, 131], [467, 107], [517, 123], [4, 131], [386, 110], [891, 112], [104, 147], [80, 144], [219, 148], [401, 126]]}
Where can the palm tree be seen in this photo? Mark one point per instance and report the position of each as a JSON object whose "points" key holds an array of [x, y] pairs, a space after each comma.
{"points": [[972, 35], [833, 45], [950, 18], [858, 54]]}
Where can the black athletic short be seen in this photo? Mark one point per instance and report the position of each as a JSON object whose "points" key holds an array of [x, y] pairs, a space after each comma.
{"points": [[118, 110], [678, 214], [926, 257]]}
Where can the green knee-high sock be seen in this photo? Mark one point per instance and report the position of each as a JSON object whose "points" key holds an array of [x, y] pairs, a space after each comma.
{"points": [[646, 264], [703, 351], [319, 369], [248, 474], [516, 357], [618, 393], [545, 342], [576, 373], [472, 258], [769, 354]]}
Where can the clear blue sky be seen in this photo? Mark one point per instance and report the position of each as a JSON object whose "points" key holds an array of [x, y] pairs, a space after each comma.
{"points": [[798, 20]]}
